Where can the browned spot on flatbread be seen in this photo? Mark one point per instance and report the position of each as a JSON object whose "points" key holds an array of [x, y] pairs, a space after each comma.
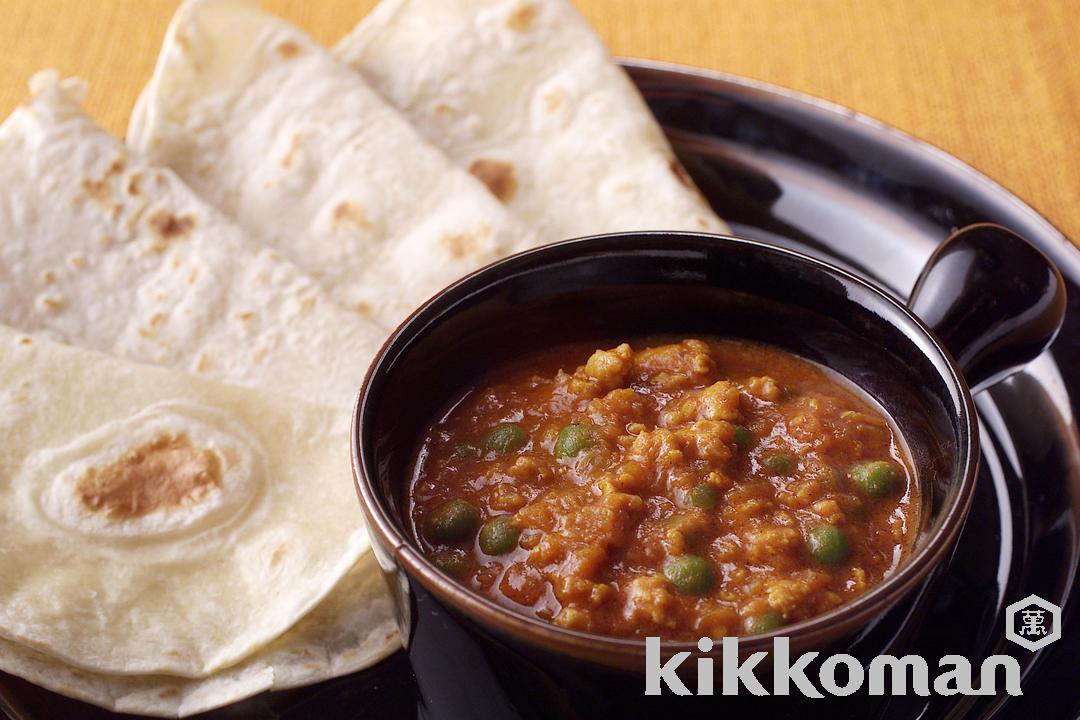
{"points": [[51, 303], [167, 472], [680, 174], [152, 327], [553, 98], [461, 245], [205, 363], [363, 308], [500, 177], [522, 17], [278, 554], [48, 277], [305, 304], [134, 183], [26, 341], [290, 156], [116, 167], [169, 693], [168, 227], [351, 214], [288, 49], [97, 190]]}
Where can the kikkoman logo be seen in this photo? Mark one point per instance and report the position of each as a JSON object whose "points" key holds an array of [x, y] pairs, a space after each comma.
{"points": [[1031, 622]]}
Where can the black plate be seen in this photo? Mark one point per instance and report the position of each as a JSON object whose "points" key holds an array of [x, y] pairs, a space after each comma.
{"points": [[807, 174]]}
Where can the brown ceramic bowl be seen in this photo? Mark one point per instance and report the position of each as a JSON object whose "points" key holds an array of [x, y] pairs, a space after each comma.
{"points": [[994, 300]]}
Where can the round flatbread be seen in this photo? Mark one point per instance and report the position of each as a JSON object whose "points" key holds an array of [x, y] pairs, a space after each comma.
{"points": [[108, 251], [353, 628], [157, 523], [262, 121], [524, 95]]}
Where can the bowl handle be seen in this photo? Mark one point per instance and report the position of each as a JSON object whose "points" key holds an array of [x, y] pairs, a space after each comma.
{"points": [[993, 298]]}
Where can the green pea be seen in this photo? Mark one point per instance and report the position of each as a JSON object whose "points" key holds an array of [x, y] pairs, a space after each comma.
{"points": [[689, 574], [743, 438], [780, 463], [703, 496], [764, 623], [453, 520], [499, 535], [876, 479], [505, 438], [463, 450], [452, 562], [828, 544], [573, 439]]}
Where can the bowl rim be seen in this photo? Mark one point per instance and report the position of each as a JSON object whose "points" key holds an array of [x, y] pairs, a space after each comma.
{"points": [[601, 648]]}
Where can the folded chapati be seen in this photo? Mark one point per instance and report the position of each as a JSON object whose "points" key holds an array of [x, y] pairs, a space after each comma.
{"points": [[103, 249], [526, 96], [351, 629], [152, 522], [263, 122]]}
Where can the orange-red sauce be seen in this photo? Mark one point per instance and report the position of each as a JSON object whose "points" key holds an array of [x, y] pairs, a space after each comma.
{"points": [[692, 504]]}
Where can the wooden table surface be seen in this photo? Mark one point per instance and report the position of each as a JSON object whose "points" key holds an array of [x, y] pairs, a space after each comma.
{"points": [[995, 82]]}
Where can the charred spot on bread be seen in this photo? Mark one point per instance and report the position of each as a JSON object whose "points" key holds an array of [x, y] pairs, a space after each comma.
{"points": [[499, 177], [167, 472]]}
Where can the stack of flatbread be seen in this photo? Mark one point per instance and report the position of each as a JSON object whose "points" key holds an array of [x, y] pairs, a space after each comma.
{"points": [[185, 319]]}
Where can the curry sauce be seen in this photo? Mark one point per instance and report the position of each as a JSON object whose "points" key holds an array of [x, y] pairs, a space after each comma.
{"points": [[698, 488]]}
